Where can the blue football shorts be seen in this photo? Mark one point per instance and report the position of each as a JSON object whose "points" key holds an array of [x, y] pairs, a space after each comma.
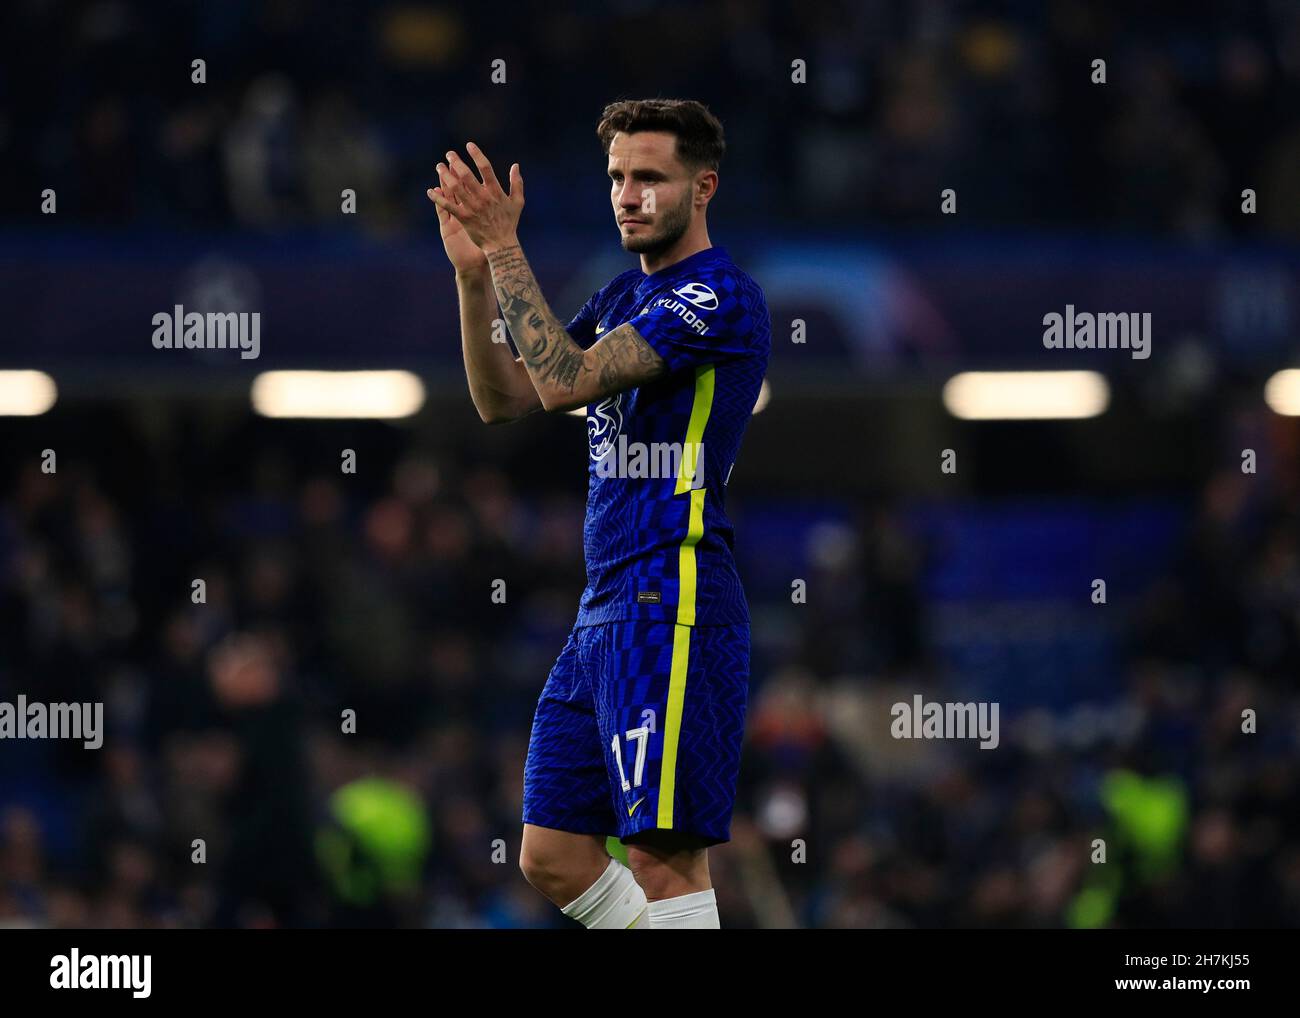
{"points": [[639, 727]]}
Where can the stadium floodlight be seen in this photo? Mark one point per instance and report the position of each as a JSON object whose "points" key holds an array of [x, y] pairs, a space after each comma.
{"points": [[1282, 392], [1026, 395], [26, 393], [337, 394]]}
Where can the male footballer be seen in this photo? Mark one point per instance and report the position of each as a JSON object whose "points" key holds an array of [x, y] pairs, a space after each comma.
{"points": [[638, 729]]}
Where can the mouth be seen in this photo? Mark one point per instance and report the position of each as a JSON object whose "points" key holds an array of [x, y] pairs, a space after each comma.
{"points": [[632, 222]]}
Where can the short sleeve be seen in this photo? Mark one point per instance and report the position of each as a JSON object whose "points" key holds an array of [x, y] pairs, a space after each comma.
{"points": [[582, 327], [698, 323]]}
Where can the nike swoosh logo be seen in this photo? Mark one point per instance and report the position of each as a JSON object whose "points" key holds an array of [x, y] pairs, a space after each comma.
{"points": [[632, 808], [599, 329]]}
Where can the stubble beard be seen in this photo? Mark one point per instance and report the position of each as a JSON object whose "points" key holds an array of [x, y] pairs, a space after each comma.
{"points": [[673, 225]]}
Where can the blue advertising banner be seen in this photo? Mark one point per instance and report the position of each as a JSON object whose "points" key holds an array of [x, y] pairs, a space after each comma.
{"points": [[891, 305]]}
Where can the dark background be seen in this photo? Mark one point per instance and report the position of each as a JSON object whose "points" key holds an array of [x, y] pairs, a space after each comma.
{"points": [[371, 592]]}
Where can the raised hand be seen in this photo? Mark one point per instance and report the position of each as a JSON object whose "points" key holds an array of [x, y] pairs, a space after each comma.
{"points": [[489, 215], [464, 255]]}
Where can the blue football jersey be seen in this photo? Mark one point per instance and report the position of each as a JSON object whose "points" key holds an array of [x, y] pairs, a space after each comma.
{"points": [[657, 539]]}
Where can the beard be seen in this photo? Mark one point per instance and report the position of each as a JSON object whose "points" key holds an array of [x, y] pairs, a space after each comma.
{"points": [[671, 225]]}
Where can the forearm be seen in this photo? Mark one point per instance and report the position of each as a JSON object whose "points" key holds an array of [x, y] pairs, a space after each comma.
{"points": [[498, 383], [554, 362]]}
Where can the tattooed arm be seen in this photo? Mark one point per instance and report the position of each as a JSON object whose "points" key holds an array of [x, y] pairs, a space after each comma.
{"points": [[498, 382], [564, 375]]}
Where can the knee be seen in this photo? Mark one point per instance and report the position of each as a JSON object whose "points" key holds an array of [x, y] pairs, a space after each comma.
{"points": [[668, 874], [561, 874], [654, 876], [540, 868]]}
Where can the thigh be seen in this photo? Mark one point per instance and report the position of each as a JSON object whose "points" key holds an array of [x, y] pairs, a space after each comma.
{"points": [[670, 704], [562, 850], [565, 783]]}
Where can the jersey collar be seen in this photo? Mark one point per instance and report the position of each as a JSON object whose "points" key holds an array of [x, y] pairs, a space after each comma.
{"points": [[686, 264]]}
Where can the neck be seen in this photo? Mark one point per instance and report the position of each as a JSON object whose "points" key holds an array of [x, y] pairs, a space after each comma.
{"points": [[693, 241]]}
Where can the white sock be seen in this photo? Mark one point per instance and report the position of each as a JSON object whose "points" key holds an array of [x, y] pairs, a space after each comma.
{"points": [[698, 911], [614, 902]]}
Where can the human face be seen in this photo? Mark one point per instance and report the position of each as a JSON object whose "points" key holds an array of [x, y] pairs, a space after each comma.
{"points": [[651, 191]]}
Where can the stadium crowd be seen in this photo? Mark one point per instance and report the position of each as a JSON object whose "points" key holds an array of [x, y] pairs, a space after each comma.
{"points": [[299, 101], [327, 594], [330, 729]]}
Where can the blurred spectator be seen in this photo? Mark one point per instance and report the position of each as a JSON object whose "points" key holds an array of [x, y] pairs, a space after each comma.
{"points": [[227, 719], [900, 102]]}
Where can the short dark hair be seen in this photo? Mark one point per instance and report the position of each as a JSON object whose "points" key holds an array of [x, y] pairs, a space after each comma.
{"points": [[699, 132]]}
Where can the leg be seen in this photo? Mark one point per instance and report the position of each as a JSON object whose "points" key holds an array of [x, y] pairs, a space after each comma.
{"points": [[673, 870], [567, 812], [562, 865], [667, 864], [671, 701]]}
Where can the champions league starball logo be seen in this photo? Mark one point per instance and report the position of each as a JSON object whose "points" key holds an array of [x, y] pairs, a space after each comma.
{"points": [[603, 425]]}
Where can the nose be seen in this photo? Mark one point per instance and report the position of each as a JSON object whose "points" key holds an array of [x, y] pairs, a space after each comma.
{"points": [[629, 197]]}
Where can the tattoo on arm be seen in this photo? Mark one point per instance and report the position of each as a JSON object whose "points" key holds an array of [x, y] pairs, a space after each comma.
{"points": [[548, 352], [559, 367], [625, 360]]}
